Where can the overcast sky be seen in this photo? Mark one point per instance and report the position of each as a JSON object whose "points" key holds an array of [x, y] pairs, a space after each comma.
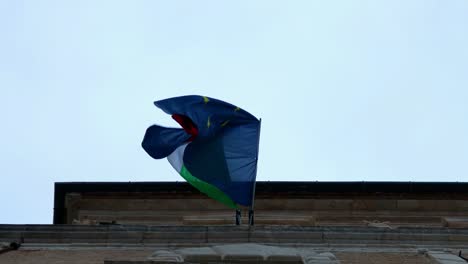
{"points": [[347, 90]]}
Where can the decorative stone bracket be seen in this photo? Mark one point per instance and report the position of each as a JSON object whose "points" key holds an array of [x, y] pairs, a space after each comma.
{"points": [[236, 253], [243, 253]]}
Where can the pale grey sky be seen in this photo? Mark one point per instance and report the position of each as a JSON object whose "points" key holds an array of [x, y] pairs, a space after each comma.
{"points": [[347, 90]]}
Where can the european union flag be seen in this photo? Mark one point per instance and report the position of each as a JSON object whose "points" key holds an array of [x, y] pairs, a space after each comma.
{"points": [[216, 150]]}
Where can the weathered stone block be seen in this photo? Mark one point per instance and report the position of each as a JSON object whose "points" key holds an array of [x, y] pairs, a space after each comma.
{"points": [[7, 236], [272, 237], [333, 204], [165, 256], [202, 254], [408, 205], [351, 236], [455, 222], [459, 237], [231, 237], [445, 258], [168, 237]]}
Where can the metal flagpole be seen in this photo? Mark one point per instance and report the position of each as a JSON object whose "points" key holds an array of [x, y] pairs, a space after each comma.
{"points": [[251, 209], [238, 217]]}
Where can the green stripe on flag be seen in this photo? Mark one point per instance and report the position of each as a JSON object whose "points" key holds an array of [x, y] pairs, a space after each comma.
{"points": [[206, 188]]}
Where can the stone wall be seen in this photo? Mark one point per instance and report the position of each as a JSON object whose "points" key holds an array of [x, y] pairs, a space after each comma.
{"points": [[288, 211]]}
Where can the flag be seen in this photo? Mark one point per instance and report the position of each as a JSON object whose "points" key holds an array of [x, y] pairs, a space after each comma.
{"points": [[216, 150]]}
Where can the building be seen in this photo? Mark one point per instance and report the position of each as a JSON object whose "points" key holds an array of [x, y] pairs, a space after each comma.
{"points": [[295, 222]]}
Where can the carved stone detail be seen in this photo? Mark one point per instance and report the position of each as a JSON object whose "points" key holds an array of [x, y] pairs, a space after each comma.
{"points": [[243, 253]]}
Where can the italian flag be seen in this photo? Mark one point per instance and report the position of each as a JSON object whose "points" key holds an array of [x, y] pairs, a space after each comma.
{"points": [[215, 150]]}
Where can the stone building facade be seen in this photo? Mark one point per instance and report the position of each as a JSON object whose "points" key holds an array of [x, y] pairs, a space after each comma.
{"points": [[295, 222]]}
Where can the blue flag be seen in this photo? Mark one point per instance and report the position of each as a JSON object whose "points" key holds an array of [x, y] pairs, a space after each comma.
{"points": [[216, 150]]}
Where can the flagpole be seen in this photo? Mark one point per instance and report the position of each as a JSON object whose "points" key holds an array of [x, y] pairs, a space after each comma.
{"points": [[251, 209], [238, 217]]}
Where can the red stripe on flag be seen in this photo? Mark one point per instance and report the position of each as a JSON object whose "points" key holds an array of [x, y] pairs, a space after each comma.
{"points": [[187, 124]]}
